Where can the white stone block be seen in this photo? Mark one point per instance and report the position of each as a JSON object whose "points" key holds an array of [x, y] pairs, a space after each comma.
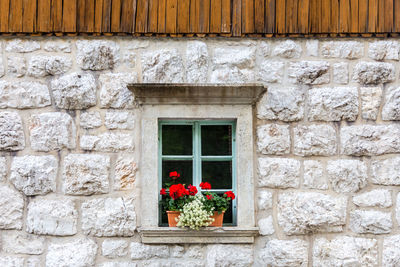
{"points": [[373, 72], [288, 253], [316, 139], [347, 175], [379, 198], [11, 208], [309, 72], [273, 139], [371, 98], [162, 66], [24, 95], [314, 175], [12, 136], [278, 172], [370, 222], [97, 54]]}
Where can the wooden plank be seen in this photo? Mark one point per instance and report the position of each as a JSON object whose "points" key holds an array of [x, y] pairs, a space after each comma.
{"points": [[89, 15], [194, 14], [335, 17], [280, 16], [291, 16], [381, 17], [397, 16], [183, 23], [248, 16], [57, 15], [303, 16], [354, 16], [98, 16], [326, 12], [153, 16], [141, 16], [204, 16], [170, 16], [80, 23], [4, 7], [236, 17], [315, 24], [259, 16], [15, 19], [363, 16], [226, 16], [216, 16], [161, 16], [128, 15], [344, 16], [106, 19], [116, 15], [69, 16], [43, 21], [29, 16], [388, 15], [372, 15]]}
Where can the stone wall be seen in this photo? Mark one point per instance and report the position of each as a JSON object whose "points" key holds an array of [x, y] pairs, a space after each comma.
{"points": [[327, 142]]}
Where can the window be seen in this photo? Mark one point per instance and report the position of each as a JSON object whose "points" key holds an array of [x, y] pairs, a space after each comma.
{"points": [[201, 151]]}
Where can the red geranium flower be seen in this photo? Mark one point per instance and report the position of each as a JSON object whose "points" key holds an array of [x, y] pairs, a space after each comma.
{"points": [[230, 194], [205, 186], [209, 197], [174, 175], [192, 190], [178, 190], [163, 192]]}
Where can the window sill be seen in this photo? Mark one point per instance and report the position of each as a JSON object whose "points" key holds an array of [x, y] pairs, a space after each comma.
{"points": [[209, 235]]}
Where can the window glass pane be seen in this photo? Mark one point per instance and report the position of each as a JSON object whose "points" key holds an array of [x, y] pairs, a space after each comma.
{"points": [[183, 167], [216, 140], [217, 173], [177, 140], [228, 216]]}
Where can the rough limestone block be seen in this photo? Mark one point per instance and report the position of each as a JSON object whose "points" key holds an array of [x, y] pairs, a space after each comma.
{"points": [[345, 251], [380, 198], [313, 140], [310, 212], [78, 253], [333, 104], [51, 217], [140, 251], [22, 243], [52, 131], [380, 50], [118, 264], [288, 253], [113, 90], [391, 251], [3, 169], [24, 95], [125, 173], [33, 261], [273, 139], [314, 175], [57, 46], [42, 65], [278, 172], [16, 66], [74, 91], [129, 58], [11, 208], [114, 248], [370, 222], [285, 104], [264, 200], [264, 49], [229, 255], [196, 62], [121, 120], [109, 217], [340, 73], [342, 49], [368, 140], [398, 208], [162, 66], [309, 72], [11, 261], [386, 171], [373, 72], [266, 226], [287, 49], [347, 175], [90, 120], [312, 48], [97, 54], [271, 71], [22, 46], [34, 175], [371, 98], [107, 142], [12, 136], [86, 174], [2, 69], [391, 108]]}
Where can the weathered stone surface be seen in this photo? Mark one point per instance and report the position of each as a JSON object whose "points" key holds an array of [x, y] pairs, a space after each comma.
{"points": [[107, 142], [287, 49], [11, 261], [264, 49], [97, 54], [41, 65], [33, 262], [391, 251], [12, 136], [288, 253], [11, 208], [309, 72], [34, 175], [22, 46], [333, 104], [162, 66], [78, 253], [90, 120], [24, 95], [391, 108], [22, 243], [398, 209], [129, 58], [114, 248], [113, 90], [74, 91], [52, 131], [373, 72], [308, 212], [139, 251], [273, 139], [342, 49], [278, 172], [122, 120], [271, 71], [3, 169], [118, 264], [366, 140], [264, 200], [266, 226], [86, 174], [370, 222], [51, 217], [345, 251], [58, 46], [347, 175], [109, 217], [380, 198], [125, 173], [197, 62], [2, 69], [16, 66], [229, 256], [370, 102], [314, 175], [311, 140], [341, 73], [312, 48], [386, 171], [380, 50], [282, 104]]}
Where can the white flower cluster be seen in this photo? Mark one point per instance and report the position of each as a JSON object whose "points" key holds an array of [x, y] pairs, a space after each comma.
{"points": [[194, 215]]}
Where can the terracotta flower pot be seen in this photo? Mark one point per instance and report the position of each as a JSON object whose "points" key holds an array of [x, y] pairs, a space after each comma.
{"points": [[218, 219], [172, 215]]}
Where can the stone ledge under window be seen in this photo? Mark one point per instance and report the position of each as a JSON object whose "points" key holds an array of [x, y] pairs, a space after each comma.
{"points": [[209, 235]]}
